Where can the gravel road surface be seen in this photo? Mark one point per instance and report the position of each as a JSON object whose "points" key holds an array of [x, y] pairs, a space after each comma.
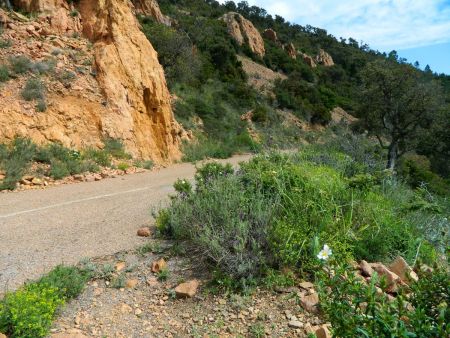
{"points": [[40, 229]]}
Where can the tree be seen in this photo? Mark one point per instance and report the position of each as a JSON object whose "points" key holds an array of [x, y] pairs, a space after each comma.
{"points": [[396, 103]]}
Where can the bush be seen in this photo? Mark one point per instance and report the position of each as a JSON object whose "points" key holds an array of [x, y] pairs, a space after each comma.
{"points": [[357, 310], [34, 90], [98, 156], [5, 43], [29, 311], [16, 160], [115, 148], [20, 64], [277, 210], [123, 166], [4, 73]]}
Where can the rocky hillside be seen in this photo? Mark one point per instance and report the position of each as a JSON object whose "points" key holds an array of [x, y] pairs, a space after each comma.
{"points": [[95, 73]]}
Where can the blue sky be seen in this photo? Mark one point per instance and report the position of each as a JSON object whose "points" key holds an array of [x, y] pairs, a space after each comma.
{"points": [[417, 29]]}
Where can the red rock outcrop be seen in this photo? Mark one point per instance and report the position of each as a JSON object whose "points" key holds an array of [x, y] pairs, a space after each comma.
{"points": [[243, 31], [324, 58], [290, 49], [308, 60], [271, 35], [151, 8]]}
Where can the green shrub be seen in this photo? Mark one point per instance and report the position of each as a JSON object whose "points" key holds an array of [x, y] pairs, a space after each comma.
{"points": [[65, 77], [15, 163], [69, 281], [148, 164], [123, 166], [5, 43], [34, 90], [58, 169], [357, 310], [41, 106], [43, 67], [4, 73], [20, 64], [29, 311], [115, 148], [100, 157]]}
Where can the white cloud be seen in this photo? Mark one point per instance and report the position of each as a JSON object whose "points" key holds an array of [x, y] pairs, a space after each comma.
{"points": [[383, 24]]}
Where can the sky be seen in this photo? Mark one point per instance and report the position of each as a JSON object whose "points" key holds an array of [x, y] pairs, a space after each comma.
{"points": [[418, 30]]}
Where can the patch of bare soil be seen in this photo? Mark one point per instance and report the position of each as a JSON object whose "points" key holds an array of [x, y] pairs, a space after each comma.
{"points": [[132, 302], [260, 77]]}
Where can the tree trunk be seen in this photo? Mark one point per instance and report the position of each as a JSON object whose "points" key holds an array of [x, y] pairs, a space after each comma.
{"points": [[392, 156]]}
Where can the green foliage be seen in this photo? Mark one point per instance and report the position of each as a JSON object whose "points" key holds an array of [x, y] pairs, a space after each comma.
{"points": [[123, 166], [5, 43], [34, 90], [163, 275], [277, 209], [20, 64], [29, 311], [16, 159], [148, 164], [183, 187], [115, 148], [100, 157], [4, 73], [358, 310], [41, 106]]}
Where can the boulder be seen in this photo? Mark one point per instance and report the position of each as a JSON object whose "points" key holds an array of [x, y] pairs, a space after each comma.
{"points": [[187, 290], [243, 31], [308, 60], [151, 8], [403, 270], [365, 268], [291, 51], [271, 35], [324, 58], [306, 285], [2, 335], [392, 279], [296, 324], [309, 302]]}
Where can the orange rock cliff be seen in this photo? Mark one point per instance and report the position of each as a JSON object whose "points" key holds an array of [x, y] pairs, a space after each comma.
{"points": [[119, 89]]}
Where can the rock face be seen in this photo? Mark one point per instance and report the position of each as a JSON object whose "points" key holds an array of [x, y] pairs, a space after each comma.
{"points": [[271, 35], [290, 49], [324, 58], [243, 31], [308, 60], [128, 98], [132, 80], [151, 8]]}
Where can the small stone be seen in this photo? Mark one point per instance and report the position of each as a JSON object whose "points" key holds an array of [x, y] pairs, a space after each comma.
{"points": [[159, 265], [295, 324], [131, 283], [323, 332], [365, 268], [309, 302], [403, 270], [306, 285], [78, 177], [138, 312], [187, 290], [120, 266], [125, 308], [37, 181], [144, 232]]}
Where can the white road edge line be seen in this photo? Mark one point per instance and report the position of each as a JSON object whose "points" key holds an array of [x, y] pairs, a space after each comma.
{"points": [[75, 201]]}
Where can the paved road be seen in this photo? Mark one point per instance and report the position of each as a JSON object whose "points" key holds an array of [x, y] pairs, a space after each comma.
{"points": [[40, 229]]}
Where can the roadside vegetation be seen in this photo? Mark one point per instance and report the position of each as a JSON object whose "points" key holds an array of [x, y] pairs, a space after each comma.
{"points": [[29, 311], [278, 212], [57, 161]]}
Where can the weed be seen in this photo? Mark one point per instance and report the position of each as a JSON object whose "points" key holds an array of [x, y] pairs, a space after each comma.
{"points": [[34, 90], [118, 282], [163, 275], [41, 106], [123, 166], [148, 164], [4, 73], [20, 64], [5, 43], [115, 148], [257, 330], [144, 249]]}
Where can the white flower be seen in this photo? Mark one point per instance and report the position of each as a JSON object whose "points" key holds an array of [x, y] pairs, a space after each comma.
{"points": [[325, 253]]}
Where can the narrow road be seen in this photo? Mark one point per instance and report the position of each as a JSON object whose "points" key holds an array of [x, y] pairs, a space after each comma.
{"points": [[40, 229]]}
